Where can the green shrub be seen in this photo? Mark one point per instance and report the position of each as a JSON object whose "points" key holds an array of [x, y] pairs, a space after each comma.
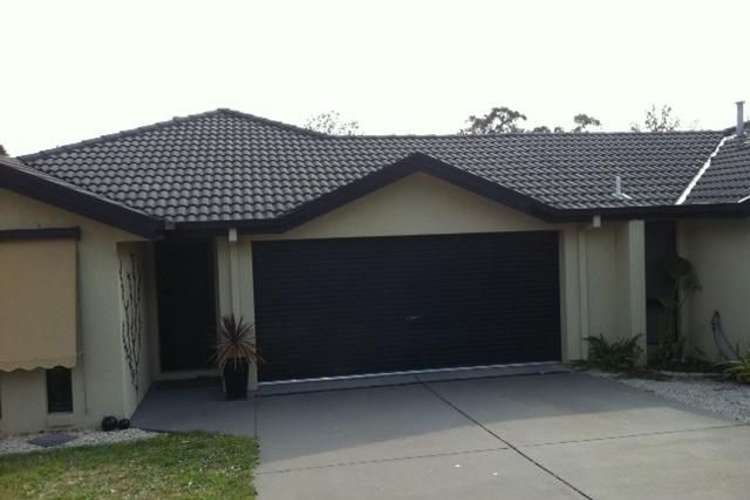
{"points": [[693, 362], [616, 356], [739, 370], [668, 353], [670, 350]]}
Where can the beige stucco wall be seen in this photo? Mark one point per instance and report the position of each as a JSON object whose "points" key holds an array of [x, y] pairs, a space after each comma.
{"points": [[234, 284], [615, 280], [720, 252], [418, 204], [24, 402], [629, 285], [595, 289], [146, 372], [98, 378], [602, 296]]}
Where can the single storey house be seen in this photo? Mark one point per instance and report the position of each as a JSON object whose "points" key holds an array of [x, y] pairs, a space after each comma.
{"points": [[351, 255]]}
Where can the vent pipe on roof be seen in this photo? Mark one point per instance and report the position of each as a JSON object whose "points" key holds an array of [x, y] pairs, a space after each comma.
{"points": [[740, 118], [618, 189]]}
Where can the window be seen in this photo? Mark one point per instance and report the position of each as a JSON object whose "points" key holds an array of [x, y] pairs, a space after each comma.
{"points": [[59, 390], [38, 309]]}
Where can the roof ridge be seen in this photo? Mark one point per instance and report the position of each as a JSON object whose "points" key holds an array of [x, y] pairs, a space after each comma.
{"points": [[276, 123], [165, 123], [526, 134], [116, 135], [731, 130], [321, 135]]}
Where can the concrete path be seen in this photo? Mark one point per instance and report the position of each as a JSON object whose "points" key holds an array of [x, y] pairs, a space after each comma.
{"points": [[536, 437], [194, 405]]}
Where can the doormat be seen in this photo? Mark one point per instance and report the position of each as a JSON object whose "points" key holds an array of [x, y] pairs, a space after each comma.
{"points": [[52, 439]]}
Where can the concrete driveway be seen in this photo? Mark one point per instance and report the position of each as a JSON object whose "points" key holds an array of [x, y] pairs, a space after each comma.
{"points": [[536, 437]]}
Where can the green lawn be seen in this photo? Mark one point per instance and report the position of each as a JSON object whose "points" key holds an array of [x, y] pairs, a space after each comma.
{"points": [[195, 465]]}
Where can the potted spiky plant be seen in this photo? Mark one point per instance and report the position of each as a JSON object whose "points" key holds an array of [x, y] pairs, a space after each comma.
{"points": [[235, 351]]}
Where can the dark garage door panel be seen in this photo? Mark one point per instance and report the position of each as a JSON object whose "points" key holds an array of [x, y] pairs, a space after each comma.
{"points": [[370, 305]]}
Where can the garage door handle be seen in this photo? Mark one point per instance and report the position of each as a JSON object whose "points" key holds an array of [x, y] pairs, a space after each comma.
{"points": [[413, 318]]}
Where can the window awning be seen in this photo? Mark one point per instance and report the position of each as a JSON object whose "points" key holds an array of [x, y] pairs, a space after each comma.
{"points": [[38, 303]]}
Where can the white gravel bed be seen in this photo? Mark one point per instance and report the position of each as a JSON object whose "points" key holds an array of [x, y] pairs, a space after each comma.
{"points": [[20, 444], [725, 398]]}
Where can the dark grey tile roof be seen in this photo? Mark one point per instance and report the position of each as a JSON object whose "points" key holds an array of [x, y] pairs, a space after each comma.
{"points": [[727, 178], [224, 165]]}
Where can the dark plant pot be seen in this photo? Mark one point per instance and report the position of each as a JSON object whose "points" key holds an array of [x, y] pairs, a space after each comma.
{"points": [[235, 379], [109, 423]]}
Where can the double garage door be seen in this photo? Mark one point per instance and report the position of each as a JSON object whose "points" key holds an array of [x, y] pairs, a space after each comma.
{"points": [[337, 307]]}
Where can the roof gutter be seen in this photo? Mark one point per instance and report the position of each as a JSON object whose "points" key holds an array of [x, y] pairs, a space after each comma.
{"points": [[655, 212], [553, 216], [47, 233]]}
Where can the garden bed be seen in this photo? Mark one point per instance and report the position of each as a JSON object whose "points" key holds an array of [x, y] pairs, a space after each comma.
{"points": [[25, 443], [703, 391]]}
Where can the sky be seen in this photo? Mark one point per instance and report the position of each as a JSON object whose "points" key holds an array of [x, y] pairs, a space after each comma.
{"points": [[75, 70]]}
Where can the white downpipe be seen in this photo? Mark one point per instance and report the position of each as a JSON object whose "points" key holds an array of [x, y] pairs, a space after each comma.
{"points": [[234, 272], [583, 284]]}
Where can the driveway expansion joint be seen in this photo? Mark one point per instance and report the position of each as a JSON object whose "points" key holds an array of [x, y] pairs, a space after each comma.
{"points": [[636, 435], [510, 445], [384, 460]]}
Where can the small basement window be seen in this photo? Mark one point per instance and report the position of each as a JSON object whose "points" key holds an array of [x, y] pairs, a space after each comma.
{"points": [[59, 390]]}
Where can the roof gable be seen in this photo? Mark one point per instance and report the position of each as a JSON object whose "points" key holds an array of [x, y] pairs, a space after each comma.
{"points": [[414, 163], [415, 204]]}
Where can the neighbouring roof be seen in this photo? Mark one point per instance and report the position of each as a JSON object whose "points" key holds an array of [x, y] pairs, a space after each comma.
{"points": [[225, 166], [727, 180]]}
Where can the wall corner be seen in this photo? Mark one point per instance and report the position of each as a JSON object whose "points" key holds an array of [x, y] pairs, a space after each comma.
{"points": [[634, 280], [570, 287], [234, 284]]}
